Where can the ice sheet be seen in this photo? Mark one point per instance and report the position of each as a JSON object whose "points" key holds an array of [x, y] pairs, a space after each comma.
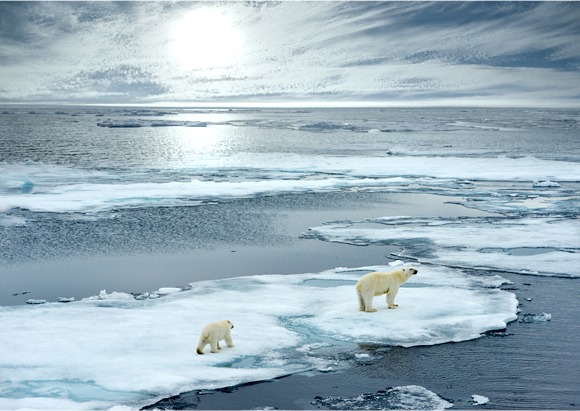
{"points": [[541, 246], [121, 351]]}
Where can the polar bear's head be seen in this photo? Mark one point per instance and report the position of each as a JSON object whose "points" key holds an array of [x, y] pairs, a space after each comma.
{"points": [[409, 271], [230, 323]]}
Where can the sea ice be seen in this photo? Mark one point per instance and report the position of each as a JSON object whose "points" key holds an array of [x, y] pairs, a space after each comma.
{"points": [[123, 351], [547, 183], [536, 318], [479, 399], [62, 189], [322, 126], [550, 243], [149, 123], [33, 301], [410, 397]]}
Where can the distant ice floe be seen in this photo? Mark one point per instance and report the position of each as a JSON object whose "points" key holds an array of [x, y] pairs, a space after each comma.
{"points": [[479, 399], [115, 349], [410, 397], [536, 318], [538, 246], [547, 183], [149, 123], [324, 126]]}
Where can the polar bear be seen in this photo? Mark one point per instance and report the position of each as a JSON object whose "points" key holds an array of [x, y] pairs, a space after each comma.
{"points": [[374, 284], [213, 333]]}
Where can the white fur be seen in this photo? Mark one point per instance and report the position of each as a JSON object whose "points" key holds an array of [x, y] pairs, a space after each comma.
{"points": [[213, 333], [374, 284]]}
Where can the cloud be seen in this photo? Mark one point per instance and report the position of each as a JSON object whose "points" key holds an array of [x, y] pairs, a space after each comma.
{"points": [[334, 51]]}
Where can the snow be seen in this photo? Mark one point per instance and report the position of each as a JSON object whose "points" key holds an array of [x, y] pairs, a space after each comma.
{"points": [[168, 290], [118, 350], [549, 245]]}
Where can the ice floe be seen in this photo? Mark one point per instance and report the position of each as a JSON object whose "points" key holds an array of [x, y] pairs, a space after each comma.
{"points": [[536, 318], [149, 123], [479, 399], [118, 350], [541, 246], [324, 126], [547, 183], [410, 397]]}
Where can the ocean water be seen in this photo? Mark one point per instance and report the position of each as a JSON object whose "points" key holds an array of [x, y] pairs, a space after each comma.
{"points": [[160, 204]]}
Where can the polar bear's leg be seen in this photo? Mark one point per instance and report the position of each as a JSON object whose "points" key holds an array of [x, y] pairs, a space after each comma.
{"points": [[214, 346], [214, 341], [229, 340], [391, 297], [368, 301], [201, 345], [361, 301]]}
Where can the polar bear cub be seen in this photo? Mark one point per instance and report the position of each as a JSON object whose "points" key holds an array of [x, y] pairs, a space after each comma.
{"points": [[213, 333], [374, 284]]}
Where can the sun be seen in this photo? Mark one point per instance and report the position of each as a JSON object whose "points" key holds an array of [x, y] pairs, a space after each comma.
{"points": [[206, 39]]}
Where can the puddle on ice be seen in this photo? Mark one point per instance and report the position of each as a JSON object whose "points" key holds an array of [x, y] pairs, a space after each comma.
{"points": [[133, 352]]}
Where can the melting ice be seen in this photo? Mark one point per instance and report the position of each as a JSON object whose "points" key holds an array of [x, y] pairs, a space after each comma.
{"points": [[105, 351]]}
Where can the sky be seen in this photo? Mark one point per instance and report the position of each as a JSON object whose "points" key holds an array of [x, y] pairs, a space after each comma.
{"points": [[329, 53]]}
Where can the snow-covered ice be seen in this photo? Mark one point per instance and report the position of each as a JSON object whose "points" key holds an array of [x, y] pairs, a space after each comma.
{"points": [[114, 349], [542, 246]]}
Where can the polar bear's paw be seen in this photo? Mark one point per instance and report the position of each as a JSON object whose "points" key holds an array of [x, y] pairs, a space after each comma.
{"points": [[372, 310]]}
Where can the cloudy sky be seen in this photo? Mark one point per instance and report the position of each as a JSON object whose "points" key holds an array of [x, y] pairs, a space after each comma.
{"points": [[326, 52]]}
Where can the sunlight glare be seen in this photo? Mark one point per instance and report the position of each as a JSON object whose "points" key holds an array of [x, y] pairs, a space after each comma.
{"points": [[206, 39]]}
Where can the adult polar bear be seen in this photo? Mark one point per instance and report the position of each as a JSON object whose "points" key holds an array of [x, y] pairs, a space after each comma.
{"points": [[213, 333], [374, 284]]}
